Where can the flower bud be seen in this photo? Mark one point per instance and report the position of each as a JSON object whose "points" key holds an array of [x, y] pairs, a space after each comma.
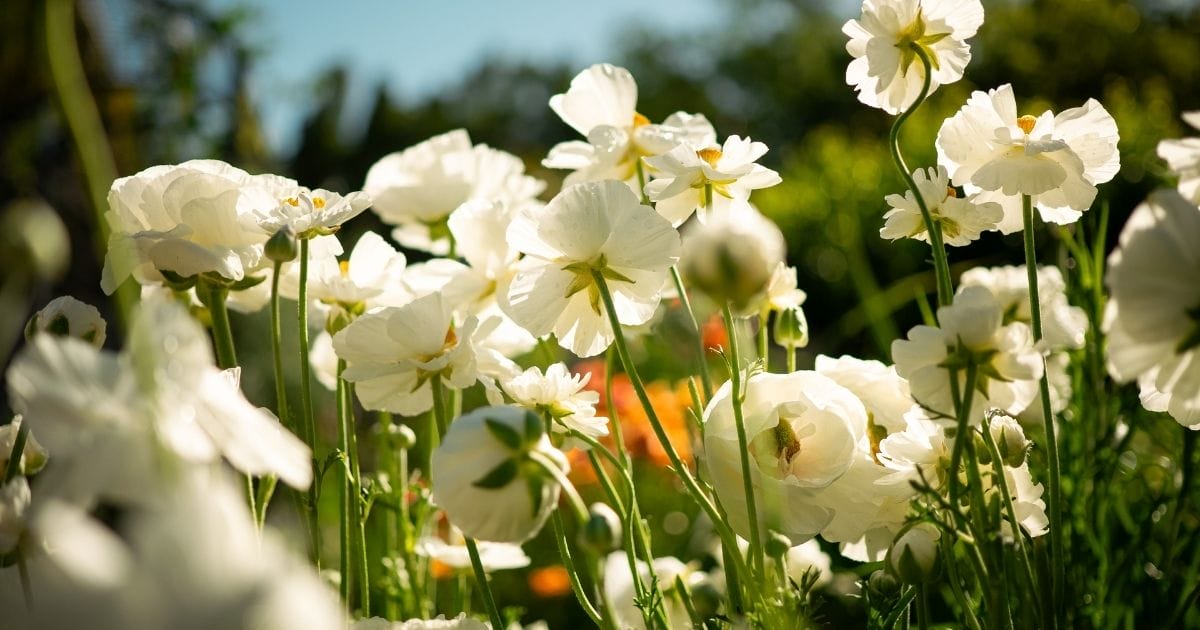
{"points": [[791, 328], [490, 476], [1010, 439], [883, 586], [776, 545], [67, 317], [732, 257], [401, 436], [913, 557], [281, 247], [706, 598], [602, 531]]}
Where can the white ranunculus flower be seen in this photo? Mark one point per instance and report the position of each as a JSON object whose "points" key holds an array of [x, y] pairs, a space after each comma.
{"points": [[683, 173], [1153, 317], [562, 395], [312, 212], [14, 503], [193, 218], [89, 405], [1027, 501], [807, 557], [782, 293], [65, 315], [961, 220], [485, 478], [1008, 366], [598, 227], [1063, 325], [1057, 160], [803, 431], [369, 277], [461, 622], [417, 189], [733, 257], [33, 456], [494, 556], [619, 588], [601, 104], [914, 556], [886, 71], [1183, 158], [391, 353]]}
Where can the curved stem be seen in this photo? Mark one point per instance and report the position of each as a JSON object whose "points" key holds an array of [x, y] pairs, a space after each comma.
{"points": [[701, 363], [1057, 552], [735, 375], [307, 422], [941, 267], [489, 602], [681, 470], [962, 433]]}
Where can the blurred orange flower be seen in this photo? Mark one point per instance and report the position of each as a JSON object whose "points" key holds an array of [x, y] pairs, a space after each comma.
{"points": [[549, 582]]}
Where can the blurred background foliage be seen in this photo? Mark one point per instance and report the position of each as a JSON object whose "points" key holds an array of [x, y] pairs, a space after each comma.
{"points": [[773, 70]]}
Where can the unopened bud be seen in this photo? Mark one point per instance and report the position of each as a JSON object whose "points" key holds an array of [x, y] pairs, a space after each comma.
{"points": [[706, 599], [883, 586], [401, 436], [732, 257], [281, 247], [67, 317], [913, 557], [776, 545], [791, 328], [602, 531], [1010, 440]]}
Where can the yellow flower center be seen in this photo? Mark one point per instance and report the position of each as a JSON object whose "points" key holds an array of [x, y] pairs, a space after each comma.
{"points": [[344, 267], [951, 193], [1026, 123], [710, 155], [318, 203], [639, 120], [292, 201]]}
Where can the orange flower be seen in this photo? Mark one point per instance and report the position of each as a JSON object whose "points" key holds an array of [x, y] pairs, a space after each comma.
{"points": [[549, 582], [713, 333]]}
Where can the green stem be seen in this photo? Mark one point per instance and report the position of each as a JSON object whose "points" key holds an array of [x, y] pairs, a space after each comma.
{"points": [[281, 402], [941, 267], [923, 607], [346, 555], [764, 350], [440, 417], [681, 470], [701, 363], [307, 419], [1010, 510], [962, 434], [1057, 552], [791, 359], [900, 609], [18, 450], [735, 375], [214, 297], [964, 601], [489, 601], [641, 179], [358, 518], [610, 358]]}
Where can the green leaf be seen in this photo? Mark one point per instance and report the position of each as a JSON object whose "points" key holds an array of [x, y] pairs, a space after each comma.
{"points": [[499, 476], [506, 434], [533, 427]]}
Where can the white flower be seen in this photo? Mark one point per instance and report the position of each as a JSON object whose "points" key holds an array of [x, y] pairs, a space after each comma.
{"points": [[1183, 157], [683, 174], [1153, 317], [619, 588], [494, 556], [461, 622], [33, 456], [733, 257], [972, 328], [782, 293], [1057, 160], [886, 71], [1063, 325], [803, 431], [485, 479], [313, 212], [197, 217], [418, 188], [14, 503], [370, 277], [89, 405], [914, 556], [1027, 501], [392, 353], [807, 557], [601, 105], [592, 227], [562, 395], [65, 315], [961, 220]]}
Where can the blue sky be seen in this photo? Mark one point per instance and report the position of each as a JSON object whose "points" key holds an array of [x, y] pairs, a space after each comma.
{"points": [[417, 47]]}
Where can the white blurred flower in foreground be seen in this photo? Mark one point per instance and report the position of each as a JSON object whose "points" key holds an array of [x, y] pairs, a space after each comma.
{"points": [[1057, 160], [619, 588], [683, 174], [417, 189], [193, 218], [67, 316], [588, 228], [461, 622], [601, 105], [1183, 157], [489, 476], [391, 354], [562, 395], [14, 503], [961, 220], [807, 557], [972, 330], [494, 556], [803, 431], [101, 414], [886, 71], [1153, 317]]}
